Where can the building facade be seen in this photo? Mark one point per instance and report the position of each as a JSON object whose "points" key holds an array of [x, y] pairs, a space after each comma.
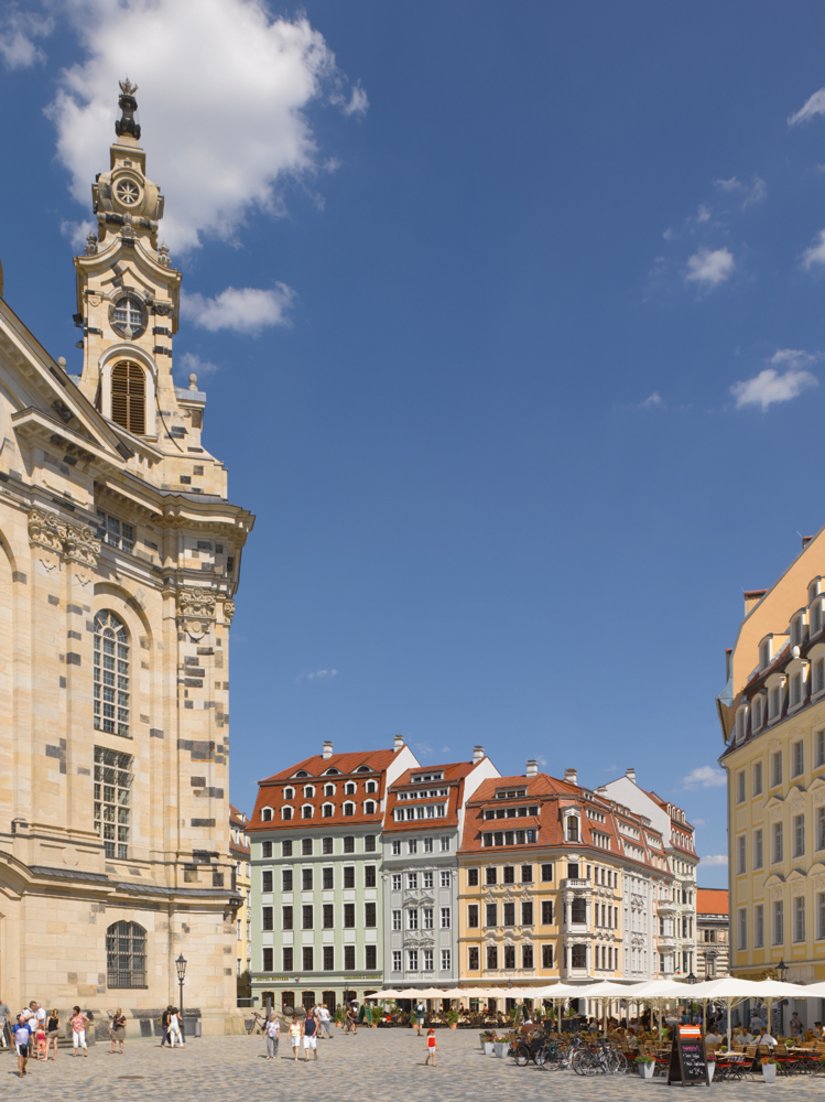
{"points": [[773, 721], [241, 883], [422, 831], [712, 933], [545, 875], [676, 902], [119, 559], [316, 899]]}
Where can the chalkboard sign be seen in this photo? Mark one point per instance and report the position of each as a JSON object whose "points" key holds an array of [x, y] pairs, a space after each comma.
{"points": [[687, 1057]]}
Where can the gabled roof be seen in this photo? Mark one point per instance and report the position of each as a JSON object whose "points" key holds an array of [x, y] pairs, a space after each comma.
{"points": [[317, 766], [453, 775], [712, 901]]}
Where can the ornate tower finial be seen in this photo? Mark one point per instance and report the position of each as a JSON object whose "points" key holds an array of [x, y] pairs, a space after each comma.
{"points": [[128, 105]]}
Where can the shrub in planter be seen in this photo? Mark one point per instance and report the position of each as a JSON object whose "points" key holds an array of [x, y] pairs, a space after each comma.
{"points": [[646, 1066]]}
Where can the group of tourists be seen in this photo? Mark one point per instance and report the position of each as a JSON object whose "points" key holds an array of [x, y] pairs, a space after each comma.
{"points": [[172, 1032], [304, 1031], [35, 1031]]}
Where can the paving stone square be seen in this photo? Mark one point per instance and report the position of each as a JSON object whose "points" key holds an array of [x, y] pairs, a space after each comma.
{"points": [[384, 1065]]}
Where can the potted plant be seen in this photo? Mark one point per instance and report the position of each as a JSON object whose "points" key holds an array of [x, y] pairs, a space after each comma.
{"points": [[646, 1065], [501, 1046], [338, 1017], [487, 1038], [452, 1017], [376, 1014], [768, 1067]]}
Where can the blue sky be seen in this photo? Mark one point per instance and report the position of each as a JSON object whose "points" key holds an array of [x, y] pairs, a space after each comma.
{"points": [[523, 369]]}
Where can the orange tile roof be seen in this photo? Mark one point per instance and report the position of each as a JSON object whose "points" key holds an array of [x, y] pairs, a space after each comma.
{"points": [[454, 774], [712, 901], [357, 767]]}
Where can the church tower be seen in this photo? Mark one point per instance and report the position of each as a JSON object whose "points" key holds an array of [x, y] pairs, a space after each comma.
{"points": [[119, 562]]}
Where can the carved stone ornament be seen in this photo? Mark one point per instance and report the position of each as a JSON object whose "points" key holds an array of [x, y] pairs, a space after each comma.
{"points": [[196, 611], [81, 545], [73, 542], [46, 530], [228, 610]]}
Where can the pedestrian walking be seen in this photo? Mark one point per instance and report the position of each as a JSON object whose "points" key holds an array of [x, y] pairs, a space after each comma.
{"points": [[5, 1022], [117, 1031], [325, 1022], [78, 1022], [52, 1033], [432, 1048], [295, 1037], [310, 1034], [22, 1037], [175, 1034], [420, 1012], [273, 1036], [164, 1026]]}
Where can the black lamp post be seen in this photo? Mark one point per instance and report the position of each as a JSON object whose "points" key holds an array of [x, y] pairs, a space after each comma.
{"points": [[781, 975], [782, 971], [180, 965], [690, 977]]}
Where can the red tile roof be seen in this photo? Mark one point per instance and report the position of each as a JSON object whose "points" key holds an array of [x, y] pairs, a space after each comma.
{"points": [[712, 901], [453, 776]]}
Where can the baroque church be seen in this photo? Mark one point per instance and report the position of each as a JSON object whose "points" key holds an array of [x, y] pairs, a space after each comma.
{"points": [[119, 562]]}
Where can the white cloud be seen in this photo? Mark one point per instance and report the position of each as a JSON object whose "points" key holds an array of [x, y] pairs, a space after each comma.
{"points": [[794, 357], [242, 309], [318, 675], [714, 859], [19, 31], [710, 267], [654, 400], [703, 213], [704, 776], [223, 103], [190, 363], [813, 106], [751, 194], [770, 387], [815, 253]]}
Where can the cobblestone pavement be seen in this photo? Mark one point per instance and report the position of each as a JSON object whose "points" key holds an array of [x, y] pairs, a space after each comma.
{"points": [[385, 1065]]}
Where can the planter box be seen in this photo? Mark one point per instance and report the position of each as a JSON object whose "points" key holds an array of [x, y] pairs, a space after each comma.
{"points": [[769, 1073], [488, 1047], [646, 1070], [501, 1048]]}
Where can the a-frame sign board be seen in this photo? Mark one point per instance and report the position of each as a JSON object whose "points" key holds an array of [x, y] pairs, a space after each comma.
{"points": [[688, 1065]]}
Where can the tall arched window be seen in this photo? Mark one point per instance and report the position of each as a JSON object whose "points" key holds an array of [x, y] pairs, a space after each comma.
{"points": [[126, 955], [129, 396], [111, 674]]}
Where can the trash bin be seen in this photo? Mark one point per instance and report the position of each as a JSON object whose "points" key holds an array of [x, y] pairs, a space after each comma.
{"points": [[191, 1025]]}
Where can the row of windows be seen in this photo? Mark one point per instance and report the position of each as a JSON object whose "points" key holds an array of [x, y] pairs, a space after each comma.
{"points": [[426, 879], [426, 958], [777, 918], [797, 753], [350, 789], [511, 812], [327, 957], [508, 914], [328, 811], [308, 912], [420, 811], [508, 874], [423, 919], [327, 878], [510, 838], [777, 835], [508, 956], [327, 846], [427, 845]]}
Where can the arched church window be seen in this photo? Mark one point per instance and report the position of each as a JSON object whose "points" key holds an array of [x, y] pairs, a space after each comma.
{"points": [[126, 955], [111, 674], [129, 396]]}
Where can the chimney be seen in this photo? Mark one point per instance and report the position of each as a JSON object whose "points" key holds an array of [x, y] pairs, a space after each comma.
{"points": [[398, 743], [602, 791], [752, 599], [630, 774], [571, 776], [327, 750], [805, 541], [478, 754], [728, 660], [532, 768]]}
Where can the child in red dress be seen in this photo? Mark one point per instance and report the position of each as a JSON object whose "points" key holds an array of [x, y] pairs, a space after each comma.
{"points": [[432, 1047]]}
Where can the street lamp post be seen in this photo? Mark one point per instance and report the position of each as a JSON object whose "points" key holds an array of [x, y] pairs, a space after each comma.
{"points": [[781, 975], [180, 965]]}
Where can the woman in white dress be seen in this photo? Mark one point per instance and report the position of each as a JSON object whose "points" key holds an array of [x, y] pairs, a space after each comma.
{"points": [[175, 1035]]}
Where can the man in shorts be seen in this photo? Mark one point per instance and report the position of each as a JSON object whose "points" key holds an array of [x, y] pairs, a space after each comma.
{"points": [[310, 1034], [22, 1039]]}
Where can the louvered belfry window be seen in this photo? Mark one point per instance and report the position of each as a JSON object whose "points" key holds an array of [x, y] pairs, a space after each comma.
{"points": [[129, 396]]}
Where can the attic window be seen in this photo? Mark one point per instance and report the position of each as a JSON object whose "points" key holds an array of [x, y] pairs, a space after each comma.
{"points": [[363, 769], [129, 397], [128, 317]]}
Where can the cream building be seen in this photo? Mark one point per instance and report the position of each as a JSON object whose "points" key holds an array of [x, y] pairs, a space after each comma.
{"points": [[773, 723], [119, 560]]}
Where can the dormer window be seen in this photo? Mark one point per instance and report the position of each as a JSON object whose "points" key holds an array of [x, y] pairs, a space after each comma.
{"points": [[369, 807], [372, 786], [329, 789], [309, 789], [266, 815], [796, 688], [817, 670], [289, 793], [757, 712], [363, 769], [741, 725], [349, 808], [286, 813], [307, 811], [766, 651], [349, 788], [327, 811], [814, 589], [798, 629]]}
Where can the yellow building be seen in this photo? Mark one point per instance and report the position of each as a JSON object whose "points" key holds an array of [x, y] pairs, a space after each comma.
{"points": [[557, 882], [119, 560], [773, 722]]}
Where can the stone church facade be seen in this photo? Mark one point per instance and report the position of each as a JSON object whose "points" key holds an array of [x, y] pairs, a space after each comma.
{"points": [[119, 561]]}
